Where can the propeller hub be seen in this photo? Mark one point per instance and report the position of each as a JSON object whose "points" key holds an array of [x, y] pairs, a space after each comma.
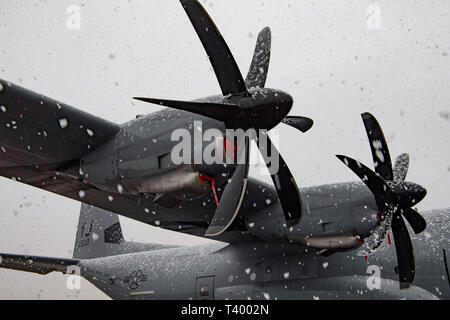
{"points": [[263, 109], [408, 193]]}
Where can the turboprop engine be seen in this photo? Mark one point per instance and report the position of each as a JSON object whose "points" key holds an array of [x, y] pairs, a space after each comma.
{"points": [[244, 104], [149, 167]]}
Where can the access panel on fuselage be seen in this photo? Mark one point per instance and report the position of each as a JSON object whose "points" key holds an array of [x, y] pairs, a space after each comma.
{"points": [[204, 288]]}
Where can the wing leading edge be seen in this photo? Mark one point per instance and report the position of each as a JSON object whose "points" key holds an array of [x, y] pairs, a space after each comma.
{"points": [[38, 131]]}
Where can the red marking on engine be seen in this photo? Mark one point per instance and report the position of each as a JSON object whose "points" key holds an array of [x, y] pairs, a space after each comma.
{"points": [[213, 187], [389, 238], [360, 240], [230, 148], [212, 181], [365, 257]]}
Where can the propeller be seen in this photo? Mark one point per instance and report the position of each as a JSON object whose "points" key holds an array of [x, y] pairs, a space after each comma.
{"points": [[232, 196], [395, 198], [243, 105]]}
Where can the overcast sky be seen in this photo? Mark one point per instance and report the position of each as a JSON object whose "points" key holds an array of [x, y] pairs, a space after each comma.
{"points": [[329, 55]]}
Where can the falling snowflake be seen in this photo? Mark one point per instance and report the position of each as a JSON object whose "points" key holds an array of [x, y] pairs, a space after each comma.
{"points": [[63, 123]]}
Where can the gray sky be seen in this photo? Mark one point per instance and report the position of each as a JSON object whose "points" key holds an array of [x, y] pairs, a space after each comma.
{"points": [[323, 54]]}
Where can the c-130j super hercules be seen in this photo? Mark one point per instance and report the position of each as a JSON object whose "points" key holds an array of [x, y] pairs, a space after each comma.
{"points": [[277, 241]]}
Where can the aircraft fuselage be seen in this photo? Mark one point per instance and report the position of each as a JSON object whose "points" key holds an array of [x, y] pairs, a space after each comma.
{"points": [[264, 270]]}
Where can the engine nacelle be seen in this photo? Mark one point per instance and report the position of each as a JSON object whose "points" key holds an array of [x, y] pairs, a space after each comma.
{"points": [[183, 184], [147, 167], [336, 217]]}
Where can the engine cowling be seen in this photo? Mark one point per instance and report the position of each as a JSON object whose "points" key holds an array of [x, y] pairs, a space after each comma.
{"points": [[183, 184], [337, 217], [143, 168]]}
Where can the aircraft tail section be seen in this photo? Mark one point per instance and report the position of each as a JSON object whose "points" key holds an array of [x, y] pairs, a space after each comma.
{"points": [[100, 234]]}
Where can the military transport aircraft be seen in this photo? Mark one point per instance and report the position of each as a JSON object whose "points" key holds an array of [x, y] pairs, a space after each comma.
{"points": [[275, 241]]}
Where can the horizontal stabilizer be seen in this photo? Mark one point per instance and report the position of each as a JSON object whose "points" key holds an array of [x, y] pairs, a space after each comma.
{"points": [[40, 265]]}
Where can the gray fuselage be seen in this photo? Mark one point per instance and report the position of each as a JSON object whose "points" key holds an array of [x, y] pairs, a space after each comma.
{"points": [[270, 270]]}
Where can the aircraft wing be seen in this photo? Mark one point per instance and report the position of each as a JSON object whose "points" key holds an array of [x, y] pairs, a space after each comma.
{"points": [[39, 131], [34, 264], [189, 217], [41, 140]]}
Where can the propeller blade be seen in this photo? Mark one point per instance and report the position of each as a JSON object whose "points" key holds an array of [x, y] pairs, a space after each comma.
{"points": [[378, 145], [373, 181], [226, 69], [401, 167], [257, 75], [405, 252], [301, 123], [221, 112], [378, 235], [415, 220], [284, 182], [232, 196]]}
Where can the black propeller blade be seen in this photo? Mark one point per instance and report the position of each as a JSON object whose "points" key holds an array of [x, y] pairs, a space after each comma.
{"points": [[284, 182], [226, 69], [232, 196], [394, 198], [218, 111], [405, 252], [401, 167], [415, 220], [378, 146], [247, 105], [373, 181], [256, 77], [301, 123]]}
